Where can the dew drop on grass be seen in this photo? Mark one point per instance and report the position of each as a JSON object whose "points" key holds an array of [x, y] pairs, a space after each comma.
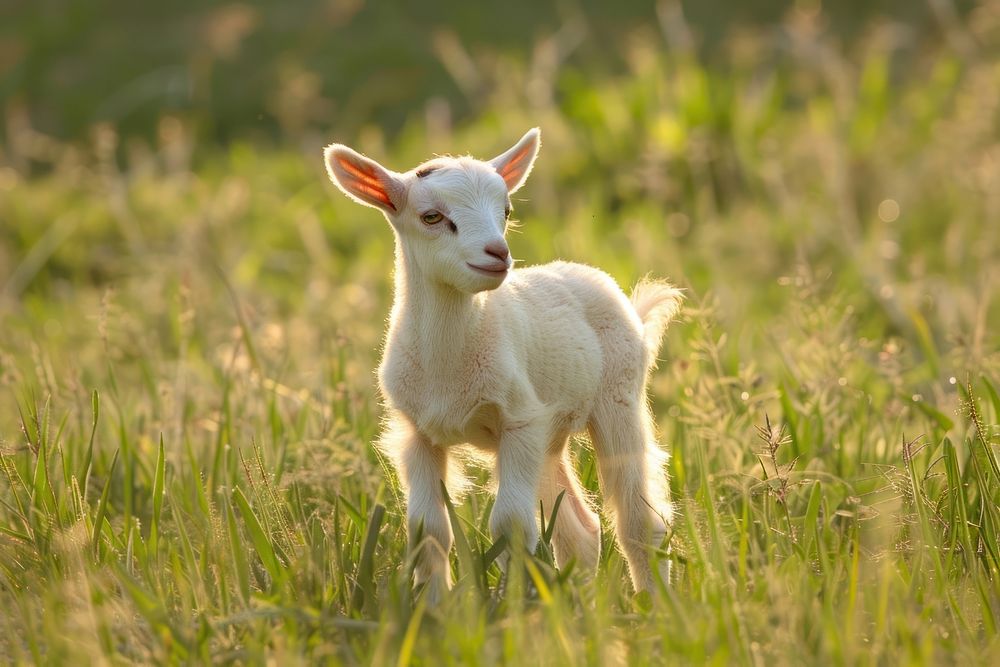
{"points": [[888, 210]]}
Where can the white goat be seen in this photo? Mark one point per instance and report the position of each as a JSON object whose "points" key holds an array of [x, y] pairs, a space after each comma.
{"points": [[512, 362]]}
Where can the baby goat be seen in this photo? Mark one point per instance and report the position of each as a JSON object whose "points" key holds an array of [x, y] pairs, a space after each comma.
{"points": [[513, 362]]}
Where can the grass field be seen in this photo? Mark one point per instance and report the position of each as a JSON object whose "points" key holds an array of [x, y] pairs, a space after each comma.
{"points": [[189, 334]]}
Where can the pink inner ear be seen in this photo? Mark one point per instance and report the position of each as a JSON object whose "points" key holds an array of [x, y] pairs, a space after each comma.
{"points": [[365, 180], [511, 171], [375, 193]]}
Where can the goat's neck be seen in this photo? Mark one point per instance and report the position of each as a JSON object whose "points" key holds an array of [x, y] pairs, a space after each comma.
{"points": [[438, 321]]}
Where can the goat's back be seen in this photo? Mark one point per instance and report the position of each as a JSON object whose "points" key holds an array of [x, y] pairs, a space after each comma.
{"points": [[570, 325]]}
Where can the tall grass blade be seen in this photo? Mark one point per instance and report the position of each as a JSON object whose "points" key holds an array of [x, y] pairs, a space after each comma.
{"points": [[158, 478], [261, 542], [364, 580], [469, 565], [102, 506]]}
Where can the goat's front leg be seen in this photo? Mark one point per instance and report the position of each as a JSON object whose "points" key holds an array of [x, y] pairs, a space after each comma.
{"points": [[423, 468], [520, 459]]}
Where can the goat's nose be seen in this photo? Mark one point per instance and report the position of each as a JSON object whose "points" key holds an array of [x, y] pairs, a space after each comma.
{"points": [[498, 249]]}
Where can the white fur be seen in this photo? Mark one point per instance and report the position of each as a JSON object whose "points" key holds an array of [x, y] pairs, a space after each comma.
{"points": [[512, 363]]}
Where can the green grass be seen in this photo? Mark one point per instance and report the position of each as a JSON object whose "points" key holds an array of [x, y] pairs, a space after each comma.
{"points": [[189, 332]]}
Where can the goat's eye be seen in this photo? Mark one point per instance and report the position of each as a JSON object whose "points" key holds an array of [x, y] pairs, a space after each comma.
{"points": [[432, 217], [506, 213]]}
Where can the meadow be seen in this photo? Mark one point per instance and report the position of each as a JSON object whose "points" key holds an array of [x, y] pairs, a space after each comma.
{"points": [[189, 329]]}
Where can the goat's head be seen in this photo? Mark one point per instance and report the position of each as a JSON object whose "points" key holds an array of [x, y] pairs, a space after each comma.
{"points": [[450, 213]]}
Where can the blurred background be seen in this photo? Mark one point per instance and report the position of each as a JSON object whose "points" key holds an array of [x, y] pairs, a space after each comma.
{"points": [[281, 71]]}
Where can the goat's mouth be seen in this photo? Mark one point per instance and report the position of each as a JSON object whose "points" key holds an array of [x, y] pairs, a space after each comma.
{"points": [[497, 270]]}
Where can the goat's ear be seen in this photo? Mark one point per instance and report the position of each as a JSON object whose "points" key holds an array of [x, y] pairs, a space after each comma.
{"points": [[364, 180], [515, 165]]}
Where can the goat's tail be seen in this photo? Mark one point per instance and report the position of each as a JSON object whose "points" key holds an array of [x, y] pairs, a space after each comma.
{"points": [[656, 302]]}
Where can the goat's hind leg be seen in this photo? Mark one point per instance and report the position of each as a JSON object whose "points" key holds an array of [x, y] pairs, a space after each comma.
{"points": [[633, 481], [577, 532]]}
